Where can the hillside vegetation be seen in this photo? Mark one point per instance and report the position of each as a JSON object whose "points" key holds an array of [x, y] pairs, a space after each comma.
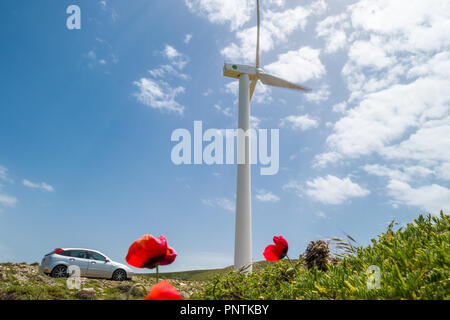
{"points": [[20, 281], [204, 275], [414, 263]]}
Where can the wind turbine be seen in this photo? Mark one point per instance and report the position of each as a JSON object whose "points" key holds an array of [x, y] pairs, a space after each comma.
{"points": [[245, 74]]}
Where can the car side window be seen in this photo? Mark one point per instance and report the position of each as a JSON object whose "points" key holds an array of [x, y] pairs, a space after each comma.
{"points": [[78, 254], [96, 256]]}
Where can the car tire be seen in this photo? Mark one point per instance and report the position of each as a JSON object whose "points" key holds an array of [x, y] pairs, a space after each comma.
{"points": [[119, 275], [59, 271]]}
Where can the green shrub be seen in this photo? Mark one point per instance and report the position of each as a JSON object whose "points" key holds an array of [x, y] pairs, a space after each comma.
{"points": [[414, 263]]}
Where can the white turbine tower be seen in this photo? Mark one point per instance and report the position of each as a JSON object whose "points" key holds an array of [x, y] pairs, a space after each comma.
{"points": [[245, 74]]}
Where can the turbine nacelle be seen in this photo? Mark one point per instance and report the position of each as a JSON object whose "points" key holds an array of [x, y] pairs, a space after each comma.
{"points": [[233, 70]]}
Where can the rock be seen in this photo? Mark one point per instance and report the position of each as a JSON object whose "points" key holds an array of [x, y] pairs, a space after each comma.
{"points": [[9, 296], [86, 294], [124, 287], [185, 295]]}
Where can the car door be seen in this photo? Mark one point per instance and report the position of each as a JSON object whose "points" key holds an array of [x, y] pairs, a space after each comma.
{"points": [[79, 258], [99, 266]]}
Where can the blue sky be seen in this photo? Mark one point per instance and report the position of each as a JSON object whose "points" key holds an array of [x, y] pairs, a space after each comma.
{"points": [[86, 118]]}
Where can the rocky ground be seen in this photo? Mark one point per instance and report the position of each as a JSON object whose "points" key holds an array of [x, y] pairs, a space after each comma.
{"points": [[21, 281]]}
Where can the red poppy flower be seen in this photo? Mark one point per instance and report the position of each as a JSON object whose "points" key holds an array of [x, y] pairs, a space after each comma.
{"points": [[276, 251], [149, 252], [163, 291], [171, 254]]}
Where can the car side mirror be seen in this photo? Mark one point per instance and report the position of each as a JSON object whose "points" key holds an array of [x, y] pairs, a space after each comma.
{"points": [[107, 261]]}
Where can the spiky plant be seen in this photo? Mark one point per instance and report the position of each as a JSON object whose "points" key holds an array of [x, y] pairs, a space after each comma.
{"points": [[342, 248], [318, 255]]}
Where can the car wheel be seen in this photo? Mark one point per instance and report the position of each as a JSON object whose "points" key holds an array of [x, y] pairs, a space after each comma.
{"points": [[119, 275], [59, 272]]}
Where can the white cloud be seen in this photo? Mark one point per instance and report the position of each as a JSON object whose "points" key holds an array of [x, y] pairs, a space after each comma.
{"points": [[234, 12], [7, 201], [321, 214], [166, 70], [266, 196], [155, 91], [295, 187], [385, 116], [254, 122], [319, 95], [92, 57], [319, 7], [223, 203], [302, 123], [187, 38], [42, 186], [443, 171], [100, 55], [159, 94], [400, 173], [171, 52], [3, 172], [398, 82], [439, 65], [333, 30], [397, 73], [279, 3], [421, 25], [233, 88], [107, 8], [261, 94], [431, 198], [406, 124], [225, 111], [332, 190], [298, 66], [4, 175], [340, 107], [323, 159], [175, 57], [431, 143], [370, 54], [276, 27]]}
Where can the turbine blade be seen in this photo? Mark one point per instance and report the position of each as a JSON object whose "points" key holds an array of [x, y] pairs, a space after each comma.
{"points": [[252, 88], [257, 36], [270, 80]]}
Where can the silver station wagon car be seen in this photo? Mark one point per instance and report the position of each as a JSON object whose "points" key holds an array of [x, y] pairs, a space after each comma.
{"points": [[92, 264]]}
